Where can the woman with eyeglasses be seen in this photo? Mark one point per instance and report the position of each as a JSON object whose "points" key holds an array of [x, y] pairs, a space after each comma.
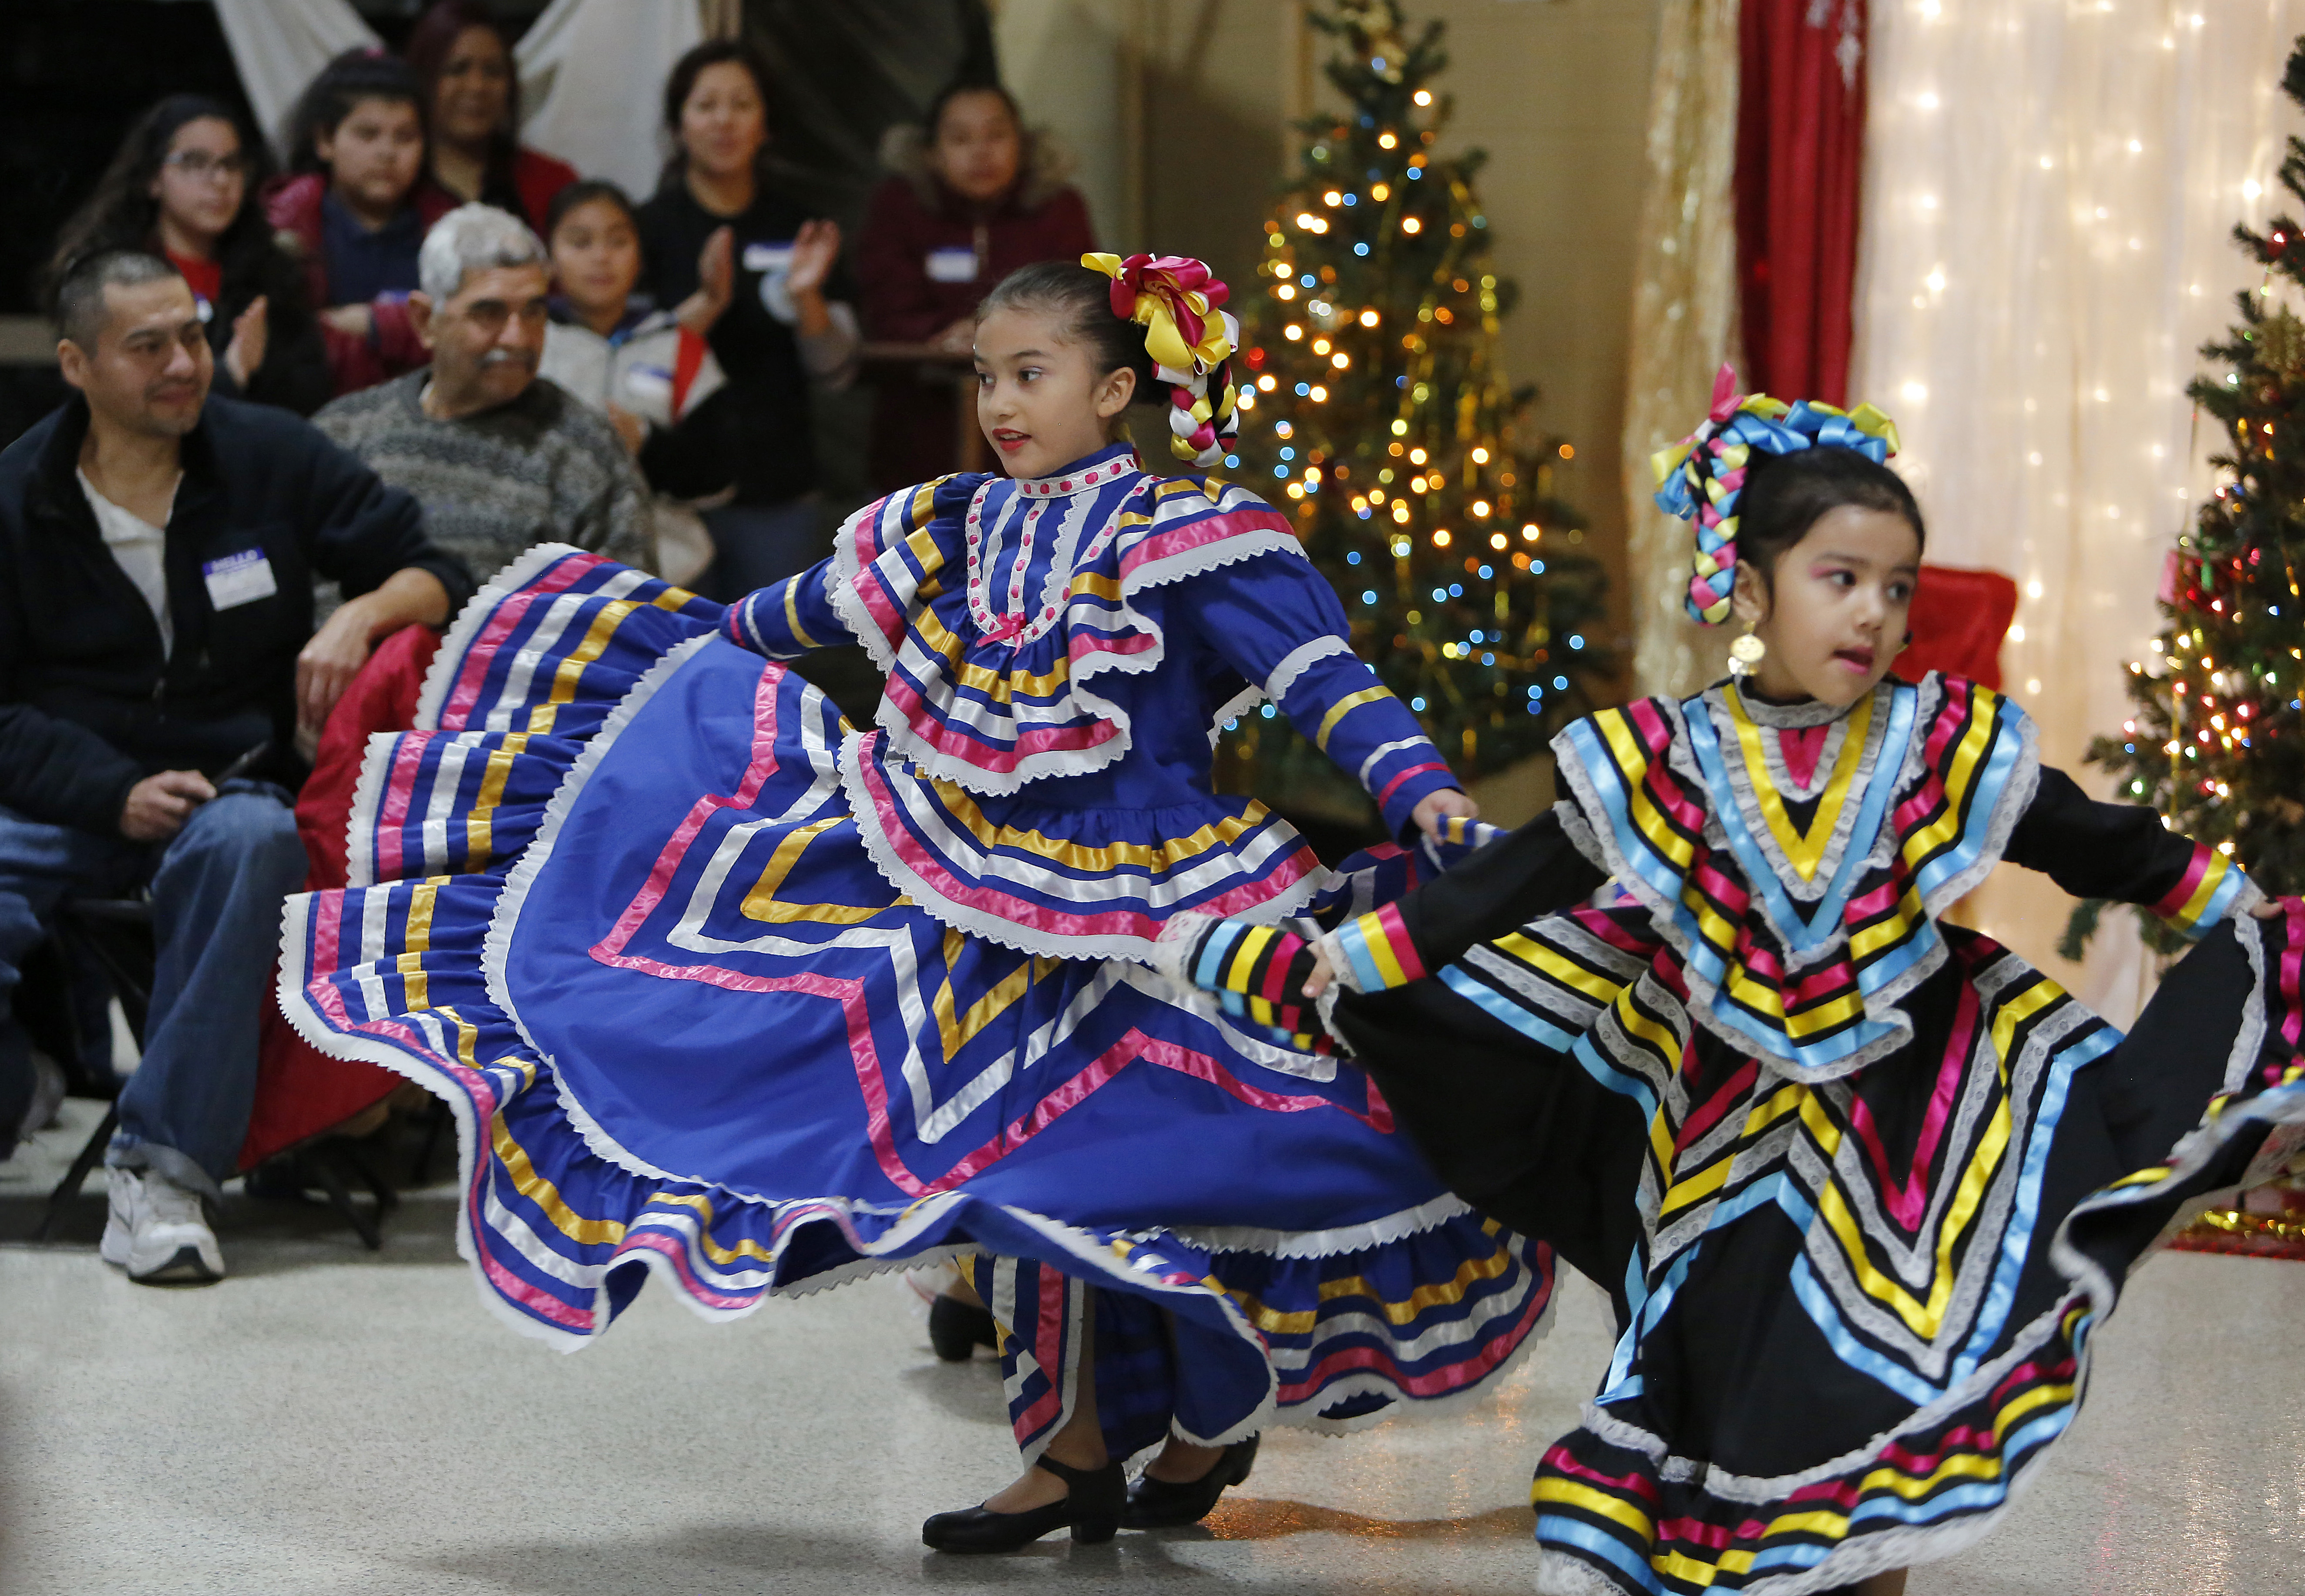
{"points": [[183, 183]]}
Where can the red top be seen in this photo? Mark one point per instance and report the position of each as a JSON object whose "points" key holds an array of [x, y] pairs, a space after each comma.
{"points": [[537, 178], [205, 276]]}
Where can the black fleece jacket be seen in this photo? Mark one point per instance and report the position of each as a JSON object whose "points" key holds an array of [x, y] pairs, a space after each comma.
{"points": [[88, 705]]}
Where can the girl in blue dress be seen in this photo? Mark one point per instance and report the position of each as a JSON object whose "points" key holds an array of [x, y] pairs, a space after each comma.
{"points": [[723, 988], [1861, 1181]]}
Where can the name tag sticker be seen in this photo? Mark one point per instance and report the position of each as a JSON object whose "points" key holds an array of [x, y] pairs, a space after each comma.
{"points": [[239, 579], [953, 265], [766, 258]]}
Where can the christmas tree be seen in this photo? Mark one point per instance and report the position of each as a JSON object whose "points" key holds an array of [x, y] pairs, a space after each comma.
{"points": [[1380, 418], [2216, 742]]}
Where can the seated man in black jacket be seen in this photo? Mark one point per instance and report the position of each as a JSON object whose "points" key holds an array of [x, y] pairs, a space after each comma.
{"points": [[157, 660]]}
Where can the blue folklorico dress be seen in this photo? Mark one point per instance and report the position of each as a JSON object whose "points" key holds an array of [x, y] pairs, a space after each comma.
{"points": [[722, 986], [1861, 1182]]}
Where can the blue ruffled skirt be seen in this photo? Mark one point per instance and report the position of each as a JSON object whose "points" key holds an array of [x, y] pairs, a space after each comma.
{"points": [[610, 903]]}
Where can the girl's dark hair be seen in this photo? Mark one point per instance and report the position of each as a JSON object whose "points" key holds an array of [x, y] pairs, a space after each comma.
{"points": [[1785, 495], [970, 85], [682, 83], [123, 215], [356, 75], [585, 191], [1081, 299], [433, 40]]}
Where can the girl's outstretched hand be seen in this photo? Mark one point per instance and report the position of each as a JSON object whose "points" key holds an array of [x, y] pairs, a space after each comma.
{"points": [[1318, 982], [2272, 908], [1436, 807]]}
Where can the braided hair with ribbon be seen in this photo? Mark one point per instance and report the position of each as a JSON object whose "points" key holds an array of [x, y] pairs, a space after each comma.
{"points": [[1703, 478], [1190, 338]]}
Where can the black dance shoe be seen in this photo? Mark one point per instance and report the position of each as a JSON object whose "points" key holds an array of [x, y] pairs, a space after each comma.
{"points": [[1161, 1504], [1092, 1510], [957, 1328]]}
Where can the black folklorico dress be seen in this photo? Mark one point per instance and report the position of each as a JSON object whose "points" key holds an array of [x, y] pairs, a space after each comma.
{"points": [[1860, 1182]]}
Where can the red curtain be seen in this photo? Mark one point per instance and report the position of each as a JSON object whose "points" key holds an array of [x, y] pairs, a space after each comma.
{"points": [[1800, 147]]}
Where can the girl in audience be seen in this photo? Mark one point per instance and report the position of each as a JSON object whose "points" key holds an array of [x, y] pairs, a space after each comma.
{"points": [[471, 100], [651, 370], [785, 328], [354, 206], [799, 1002], [181, 184], [972, 196]]}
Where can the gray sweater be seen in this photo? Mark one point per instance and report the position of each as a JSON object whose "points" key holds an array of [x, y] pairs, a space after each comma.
{"points": [[543, 469]]}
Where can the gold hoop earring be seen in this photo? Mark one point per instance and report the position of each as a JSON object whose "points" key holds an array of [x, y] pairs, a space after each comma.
{"points": [[1745, 656]]}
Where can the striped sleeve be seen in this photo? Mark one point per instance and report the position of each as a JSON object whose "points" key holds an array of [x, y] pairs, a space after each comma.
{"points": [[1278, 623], [786, 619], [2122, 852], [1257, 972]]}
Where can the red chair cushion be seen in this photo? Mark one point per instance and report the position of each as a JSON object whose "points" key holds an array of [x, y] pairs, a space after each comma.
{"points": [[1959, 619], [300, 1091]]}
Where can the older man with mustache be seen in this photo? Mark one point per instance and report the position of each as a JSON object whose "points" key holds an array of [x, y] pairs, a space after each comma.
{"points": [[500, 458]]}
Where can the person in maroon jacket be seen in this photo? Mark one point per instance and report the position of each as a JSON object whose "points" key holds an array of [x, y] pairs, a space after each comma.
{"points": [[972, 196]]}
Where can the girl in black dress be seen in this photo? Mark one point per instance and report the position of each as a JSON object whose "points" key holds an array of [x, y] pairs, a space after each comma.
{"points": [[1859, 1182]]}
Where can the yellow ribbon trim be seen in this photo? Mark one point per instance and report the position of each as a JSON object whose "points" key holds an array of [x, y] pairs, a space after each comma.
{"points": [[1343, 707], [792, 616], [1804, 849], [765, 903]]}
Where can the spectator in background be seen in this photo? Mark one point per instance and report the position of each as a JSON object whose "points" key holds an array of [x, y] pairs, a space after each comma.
{"points": [[499, 460], [180, 186], [355, 206], [973, 195], [157, 553], [472, 101], [648, 371], [782, 329]]}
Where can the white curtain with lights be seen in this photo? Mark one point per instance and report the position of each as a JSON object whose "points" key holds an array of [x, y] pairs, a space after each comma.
{"points": [[2050, 189]]}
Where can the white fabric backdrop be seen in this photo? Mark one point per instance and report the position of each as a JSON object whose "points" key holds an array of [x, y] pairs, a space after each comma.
{"points": [[591, 82], [2050, 186], [279, 45]]}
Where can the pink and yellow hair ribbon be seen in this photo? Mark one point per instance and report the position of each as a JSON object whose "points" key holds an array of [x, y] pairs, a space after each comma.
{"points": [[1177, 302]]}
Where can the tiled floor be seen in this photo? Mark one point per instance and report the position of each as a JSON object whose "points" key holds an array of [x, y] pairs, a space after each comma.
{"points": [[331, 1422]]}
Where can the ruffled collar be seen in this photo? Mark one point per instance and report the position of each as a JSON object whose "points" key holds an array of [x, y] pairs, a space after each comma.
{"points": [[1106, 466], [1793, 717]]}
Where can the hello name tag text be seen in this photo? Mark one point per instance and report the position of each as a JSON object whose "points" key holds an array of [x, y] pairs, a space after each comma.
{"points": [[238, 579]]}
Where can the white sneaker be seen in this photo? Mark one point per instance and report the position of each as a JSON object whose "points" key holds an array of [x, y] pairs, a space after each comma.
{"points": [[158, 1232], [47, 1095]]}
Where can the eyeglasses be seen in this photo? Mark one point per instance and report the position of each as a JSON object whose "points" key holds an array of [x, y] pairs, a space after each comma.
{"points": [[198, 165]]}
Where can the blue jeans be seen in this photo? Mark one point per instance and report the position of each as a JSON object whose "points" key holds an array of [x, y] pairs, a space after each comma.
{"points": [[217, 889], [755, 544]]}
